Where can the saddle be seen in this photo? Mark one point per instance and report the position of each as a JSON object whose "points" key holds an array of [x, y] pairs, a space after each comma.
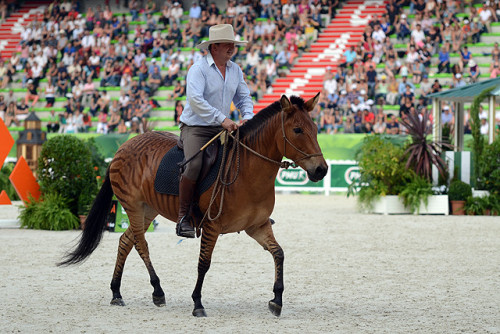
{"points": [[169, 171]]}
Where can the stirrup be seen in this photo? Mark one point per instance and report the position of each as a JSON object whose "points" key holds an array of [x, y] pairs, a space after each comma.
{"points": [[186, 230]]}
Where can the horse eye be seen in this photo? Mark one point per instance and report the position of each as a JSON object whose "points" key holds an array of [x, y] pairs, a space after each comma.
{"points": [[297, 130]]}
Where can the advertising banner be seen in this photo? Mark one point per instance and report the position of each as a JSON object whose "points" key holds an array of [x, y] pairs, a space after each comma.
{"points": [[118, 220], [296, 178], [341, 173]]}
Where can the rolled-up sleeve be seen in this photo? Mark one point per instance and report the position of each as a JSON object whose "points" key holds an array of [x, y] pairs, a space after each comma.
{"points": [[242, 100]]}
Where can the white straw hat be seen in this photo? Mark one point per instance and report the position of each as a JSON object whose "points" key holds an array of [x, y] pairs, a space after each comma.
{"points": [[220, 33]]}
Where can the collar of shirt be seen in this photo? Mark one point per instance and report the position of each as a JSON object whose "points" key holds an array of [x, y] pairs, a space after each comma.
{"points": [[211, 61]]}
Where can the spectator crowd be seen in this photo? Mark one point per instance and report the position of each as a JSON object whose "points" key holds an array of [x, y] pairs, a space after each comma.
{"points": [[79, 57], [380, 82]]}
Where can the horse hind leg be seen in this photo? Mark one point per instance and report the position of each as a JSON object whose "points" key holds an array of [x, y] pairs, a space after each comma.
{"points": [[263, 234], [127, 241], [124, 247]]}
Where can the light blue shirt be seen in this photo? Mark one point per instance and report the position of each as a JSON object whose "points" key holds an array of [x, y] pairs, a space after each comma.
{"points": [[195, 12], [209, 96]]}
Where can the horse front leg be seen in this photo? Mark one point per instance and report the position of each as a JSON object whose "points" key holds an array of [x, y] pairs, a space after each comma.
{"points": [[263, 234], [208, 240]]}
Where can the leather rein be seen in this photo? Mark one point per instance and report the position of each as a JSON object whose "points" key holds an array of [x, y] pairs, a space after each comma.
{"points": [[224, 170]]}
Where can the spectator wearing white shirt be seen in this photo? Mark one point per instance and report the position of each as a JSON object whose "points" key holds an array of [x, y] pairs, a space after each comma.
{"points": [[289, 7], [258, 30], [88, 40], [418, 35], [77, 31], [271, 69], [330, 84], [484, 129], [267, 49], [41, 59], [37, 71], [269, 29], [50, 51], [412, 55], [176, 13], [241, 8], [378, 33], [123, 100], [252, 60], [26, 35], [487, 15], [77, 90], [37, 34]]}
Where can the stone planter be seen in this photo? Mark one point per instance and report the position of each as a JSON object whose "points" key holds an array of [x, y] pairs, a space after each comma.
{"points": [[392, 204], [480, 193]]}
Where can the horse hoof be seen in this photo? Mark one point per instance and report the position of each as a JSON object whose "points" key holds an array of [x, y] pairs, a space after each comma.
{"points": [[159, 300], [275, 308], [199, 313], [117, 302]]}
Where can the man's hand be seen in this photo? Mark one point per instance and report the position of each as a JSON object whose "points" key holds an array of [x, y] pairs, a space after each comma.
{"points": [[229, 125]]}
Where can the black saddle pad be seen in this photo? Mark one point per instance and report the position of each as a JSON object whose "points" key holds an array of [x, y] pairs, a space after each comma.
{"points": [[168, 174]]}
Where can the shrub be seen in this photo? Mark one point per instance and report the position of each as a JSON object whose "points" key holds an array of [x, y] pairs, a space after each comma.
{"points": [[415, 193], [459, 191], [5, 184], [65, 167], [382, 171], [50, 213], [476, 205]]}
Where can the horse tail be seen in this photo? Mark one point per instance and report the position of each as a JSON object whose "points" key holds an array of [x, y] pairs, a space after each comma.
{"points": [[94, 226]]}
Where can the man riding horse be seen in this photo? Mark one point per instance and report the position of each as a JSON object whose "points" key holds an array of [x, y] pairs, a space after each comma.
{"points": [[212, 84]]}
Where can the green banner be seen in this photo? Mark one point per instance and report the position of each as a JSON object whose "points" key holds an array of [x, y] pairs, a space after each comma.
{"points": [[121, 221], [343, 174]]}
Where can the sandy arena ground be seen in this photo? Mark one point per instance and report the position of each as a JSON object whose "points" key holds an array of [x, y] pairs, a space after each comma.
{"points": [[345, 272]]}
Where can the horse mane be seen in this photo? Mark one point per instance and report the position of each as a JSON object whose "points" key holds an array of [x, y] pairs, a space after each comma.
{"points": [[252, 127]]}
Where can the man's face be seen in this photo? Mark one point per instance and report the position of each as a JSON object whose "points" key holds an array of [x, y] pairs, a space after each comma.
{"points": [[224, 50]]}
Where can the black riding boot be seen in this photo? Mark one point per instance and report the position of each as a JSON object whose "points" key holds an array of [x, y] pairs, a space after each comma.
{"points": [[186, 193]]}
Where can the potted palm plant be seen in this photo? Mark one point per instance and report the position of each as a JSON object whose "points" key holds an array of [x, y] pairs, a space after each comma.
{"points": [[421, 153]]}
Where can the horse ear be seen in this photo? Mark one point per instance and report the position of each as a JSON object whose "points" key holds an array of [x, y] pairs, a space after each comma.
{"points": [[310, 104], [285, 102]]}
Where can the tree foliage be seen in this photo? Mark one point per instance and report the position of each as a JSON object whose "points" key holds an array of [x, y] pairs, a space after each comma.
{"points": [[478, 142]]}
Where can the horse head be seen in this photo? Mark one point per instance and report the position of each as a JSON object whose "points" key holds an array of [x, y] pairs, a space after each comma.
{"points": [[300, 136]]}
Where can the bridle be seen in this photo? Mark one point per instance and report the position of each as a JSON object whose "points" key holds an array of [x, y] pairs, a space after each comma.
{"points": [[285, 140], [225, 170], [283, 164]]}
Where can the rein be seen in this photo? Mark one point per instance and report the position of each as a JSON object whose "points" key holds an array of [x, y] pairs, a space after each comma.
{"points": [[222, 180]]}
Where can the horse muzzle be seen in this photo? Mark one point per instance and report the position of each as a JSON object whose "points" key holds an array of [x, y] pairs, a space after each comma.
{"points": [[318, 172]]}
